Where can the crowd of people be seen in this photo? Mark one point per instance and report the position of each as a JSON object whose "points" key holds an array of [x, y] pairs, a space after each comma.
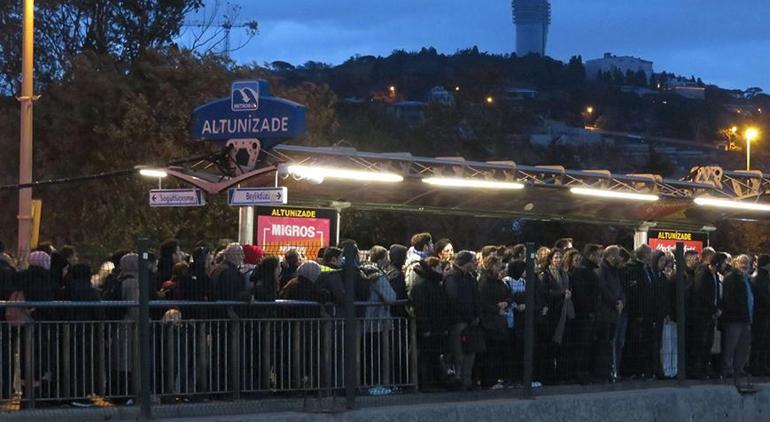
{"points": [[600, 313]]}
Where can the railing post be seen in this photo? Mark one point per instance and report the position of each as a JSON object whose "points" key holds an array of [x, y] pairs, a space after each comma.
{"points": [[265, 347], [351, 326], [67, 360], [529, 321], [143, 327], [101, 366], [413, 371], [28, 331], [681, 355], [235, 353]]}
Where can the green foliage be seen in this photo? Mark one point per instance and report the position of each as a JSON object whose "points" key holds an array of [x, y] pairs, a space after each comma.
{"points": [[122, 29]]}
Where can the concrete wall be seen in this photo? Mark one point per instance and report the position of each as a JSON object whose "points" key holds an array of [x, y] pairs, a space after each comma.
{"points": [[701, 404]]}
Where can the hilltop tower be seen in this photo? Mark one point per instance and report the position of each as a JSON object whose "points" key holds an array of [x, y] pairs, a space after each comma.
{"points": [[532, 18]]}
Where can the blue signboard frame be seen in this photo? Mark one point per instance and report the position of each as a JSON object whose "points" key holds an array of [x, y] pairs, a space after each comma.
{"points": [[249, 112]]}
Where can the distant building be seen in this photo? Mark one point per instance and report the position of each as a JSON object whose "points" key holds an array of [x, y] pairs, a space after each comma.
{"points": [[532, 18], [686, 88], [410, 112], [439, 94], [638, 90], [610, 63], [518, 94], [691, 92]]}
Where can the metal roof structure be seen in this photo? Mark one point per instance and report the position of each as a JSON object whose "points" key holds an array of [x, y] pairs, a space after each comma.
{"points": [[546, 196]]}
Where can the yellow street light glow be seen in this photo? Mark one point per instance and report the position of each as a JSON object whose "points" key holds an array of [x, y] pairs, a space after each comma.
{"points": [[751, 134], [153, 173], [728, 203], [490, 100], [457, 88], [590, 110], [599, 193], [459, 182], [734, 129], [321, 173], [392, 88]]}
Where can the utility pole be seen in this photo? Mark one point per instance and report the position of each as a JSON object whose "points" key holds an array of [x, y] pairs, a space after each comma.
{"points": [[25, 142]]}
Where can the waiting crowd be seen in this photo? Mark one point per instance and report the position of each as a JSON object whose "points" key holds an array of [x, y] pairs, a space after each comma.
{"points": [[601, 313]]}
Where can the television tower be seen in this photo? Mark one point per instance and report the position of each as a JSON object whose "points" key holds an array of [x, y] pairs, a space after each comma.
{"points": [[532, 18]]}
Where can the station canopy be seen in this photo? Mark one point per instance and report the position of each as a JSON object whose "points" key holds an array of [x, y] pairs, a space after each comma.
{"points": [[547, 193]]}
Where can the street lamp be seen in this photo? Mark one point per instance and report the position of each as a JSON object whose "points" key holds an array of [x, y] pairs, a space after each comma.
{"points": [[751, 135], [590, 110], [490, 100], [25, 134]]}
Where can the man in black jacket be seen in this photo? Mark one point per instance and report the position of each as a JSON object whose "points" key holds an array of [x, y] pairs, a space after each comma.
{"points": [[643, 341], [584, 284], [611, 300], [737, 313], [430, 308], [702, 314], [462, 292], [760, 342]]}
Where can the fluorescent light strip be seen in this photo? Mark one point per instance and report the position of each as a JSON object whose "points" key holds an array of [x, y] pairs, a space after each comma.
{"points": [[471, 183], [320, 173], [727, 203], [153, 173], [599, 193]]}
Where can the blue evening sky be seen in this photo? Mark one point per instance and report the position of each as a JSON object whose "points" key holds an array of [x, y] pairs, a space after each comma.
{"points": [[724, 42]]}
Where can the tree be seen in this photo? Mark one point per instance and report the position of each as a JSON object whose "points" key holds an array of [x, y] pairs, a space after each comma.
{"points": [[124, 29]]}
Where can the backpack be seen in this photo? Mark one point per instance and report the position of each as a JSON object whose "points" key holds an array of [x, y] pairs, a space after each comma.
{"points": [[112, 290], [17, 316]]}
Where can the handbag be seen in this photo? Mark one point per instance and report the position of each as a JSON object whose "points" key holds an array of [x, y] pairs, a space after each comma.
{"points": [[473, 340], [18, 316]]}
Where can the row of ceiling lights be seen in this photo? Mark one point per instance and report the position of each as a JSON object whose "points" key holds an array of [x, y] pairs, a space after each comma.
{"points": [[318, 174]]}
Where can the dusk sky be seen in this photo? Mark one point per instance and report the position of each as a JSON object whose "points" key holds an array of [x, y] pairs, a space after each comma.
{"points": [[724, 42]]}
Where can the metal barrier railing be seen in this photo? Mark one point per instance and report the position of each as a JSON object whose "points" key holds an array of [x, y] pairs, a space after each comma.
{"points": [[76, 360]]}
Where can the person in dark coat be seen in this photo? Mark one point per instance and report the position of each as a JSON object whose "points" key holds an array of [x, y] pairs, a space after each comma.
{"points": [[584, 283], [611, 301], [495, 298], [226, 278], [760, 342], [397, 278], [462, 291], [228, 285], [554, 283], [737, 313], [331, 279], [430, 308], [303, 287], [291, 261], [642, 288], [702, 315], [78, 288]]}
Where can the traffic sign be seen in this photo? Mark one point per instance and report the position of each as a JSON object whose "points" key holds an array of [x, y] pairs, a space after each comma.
{"points": [[177, 198], [246, 197]]}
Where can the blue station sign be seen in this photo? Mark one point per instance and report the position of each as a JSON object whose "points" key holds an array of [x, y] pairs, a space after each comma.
{"points": [[250, 112]]}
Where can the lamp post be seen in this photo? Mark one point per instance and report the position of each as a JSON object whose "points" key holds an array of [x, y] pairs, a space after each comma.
{"points": [[751, 134], [25, 136]]}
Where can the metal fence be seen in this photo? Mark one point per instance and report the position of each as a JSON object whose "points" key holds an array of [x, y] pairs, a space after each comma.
{"points": [[80, 360]]}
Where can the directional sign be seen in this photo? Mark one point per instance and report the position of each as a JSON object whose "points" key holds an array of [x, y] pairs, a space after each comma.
{"points": [[246, 197], [177, 198]]}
